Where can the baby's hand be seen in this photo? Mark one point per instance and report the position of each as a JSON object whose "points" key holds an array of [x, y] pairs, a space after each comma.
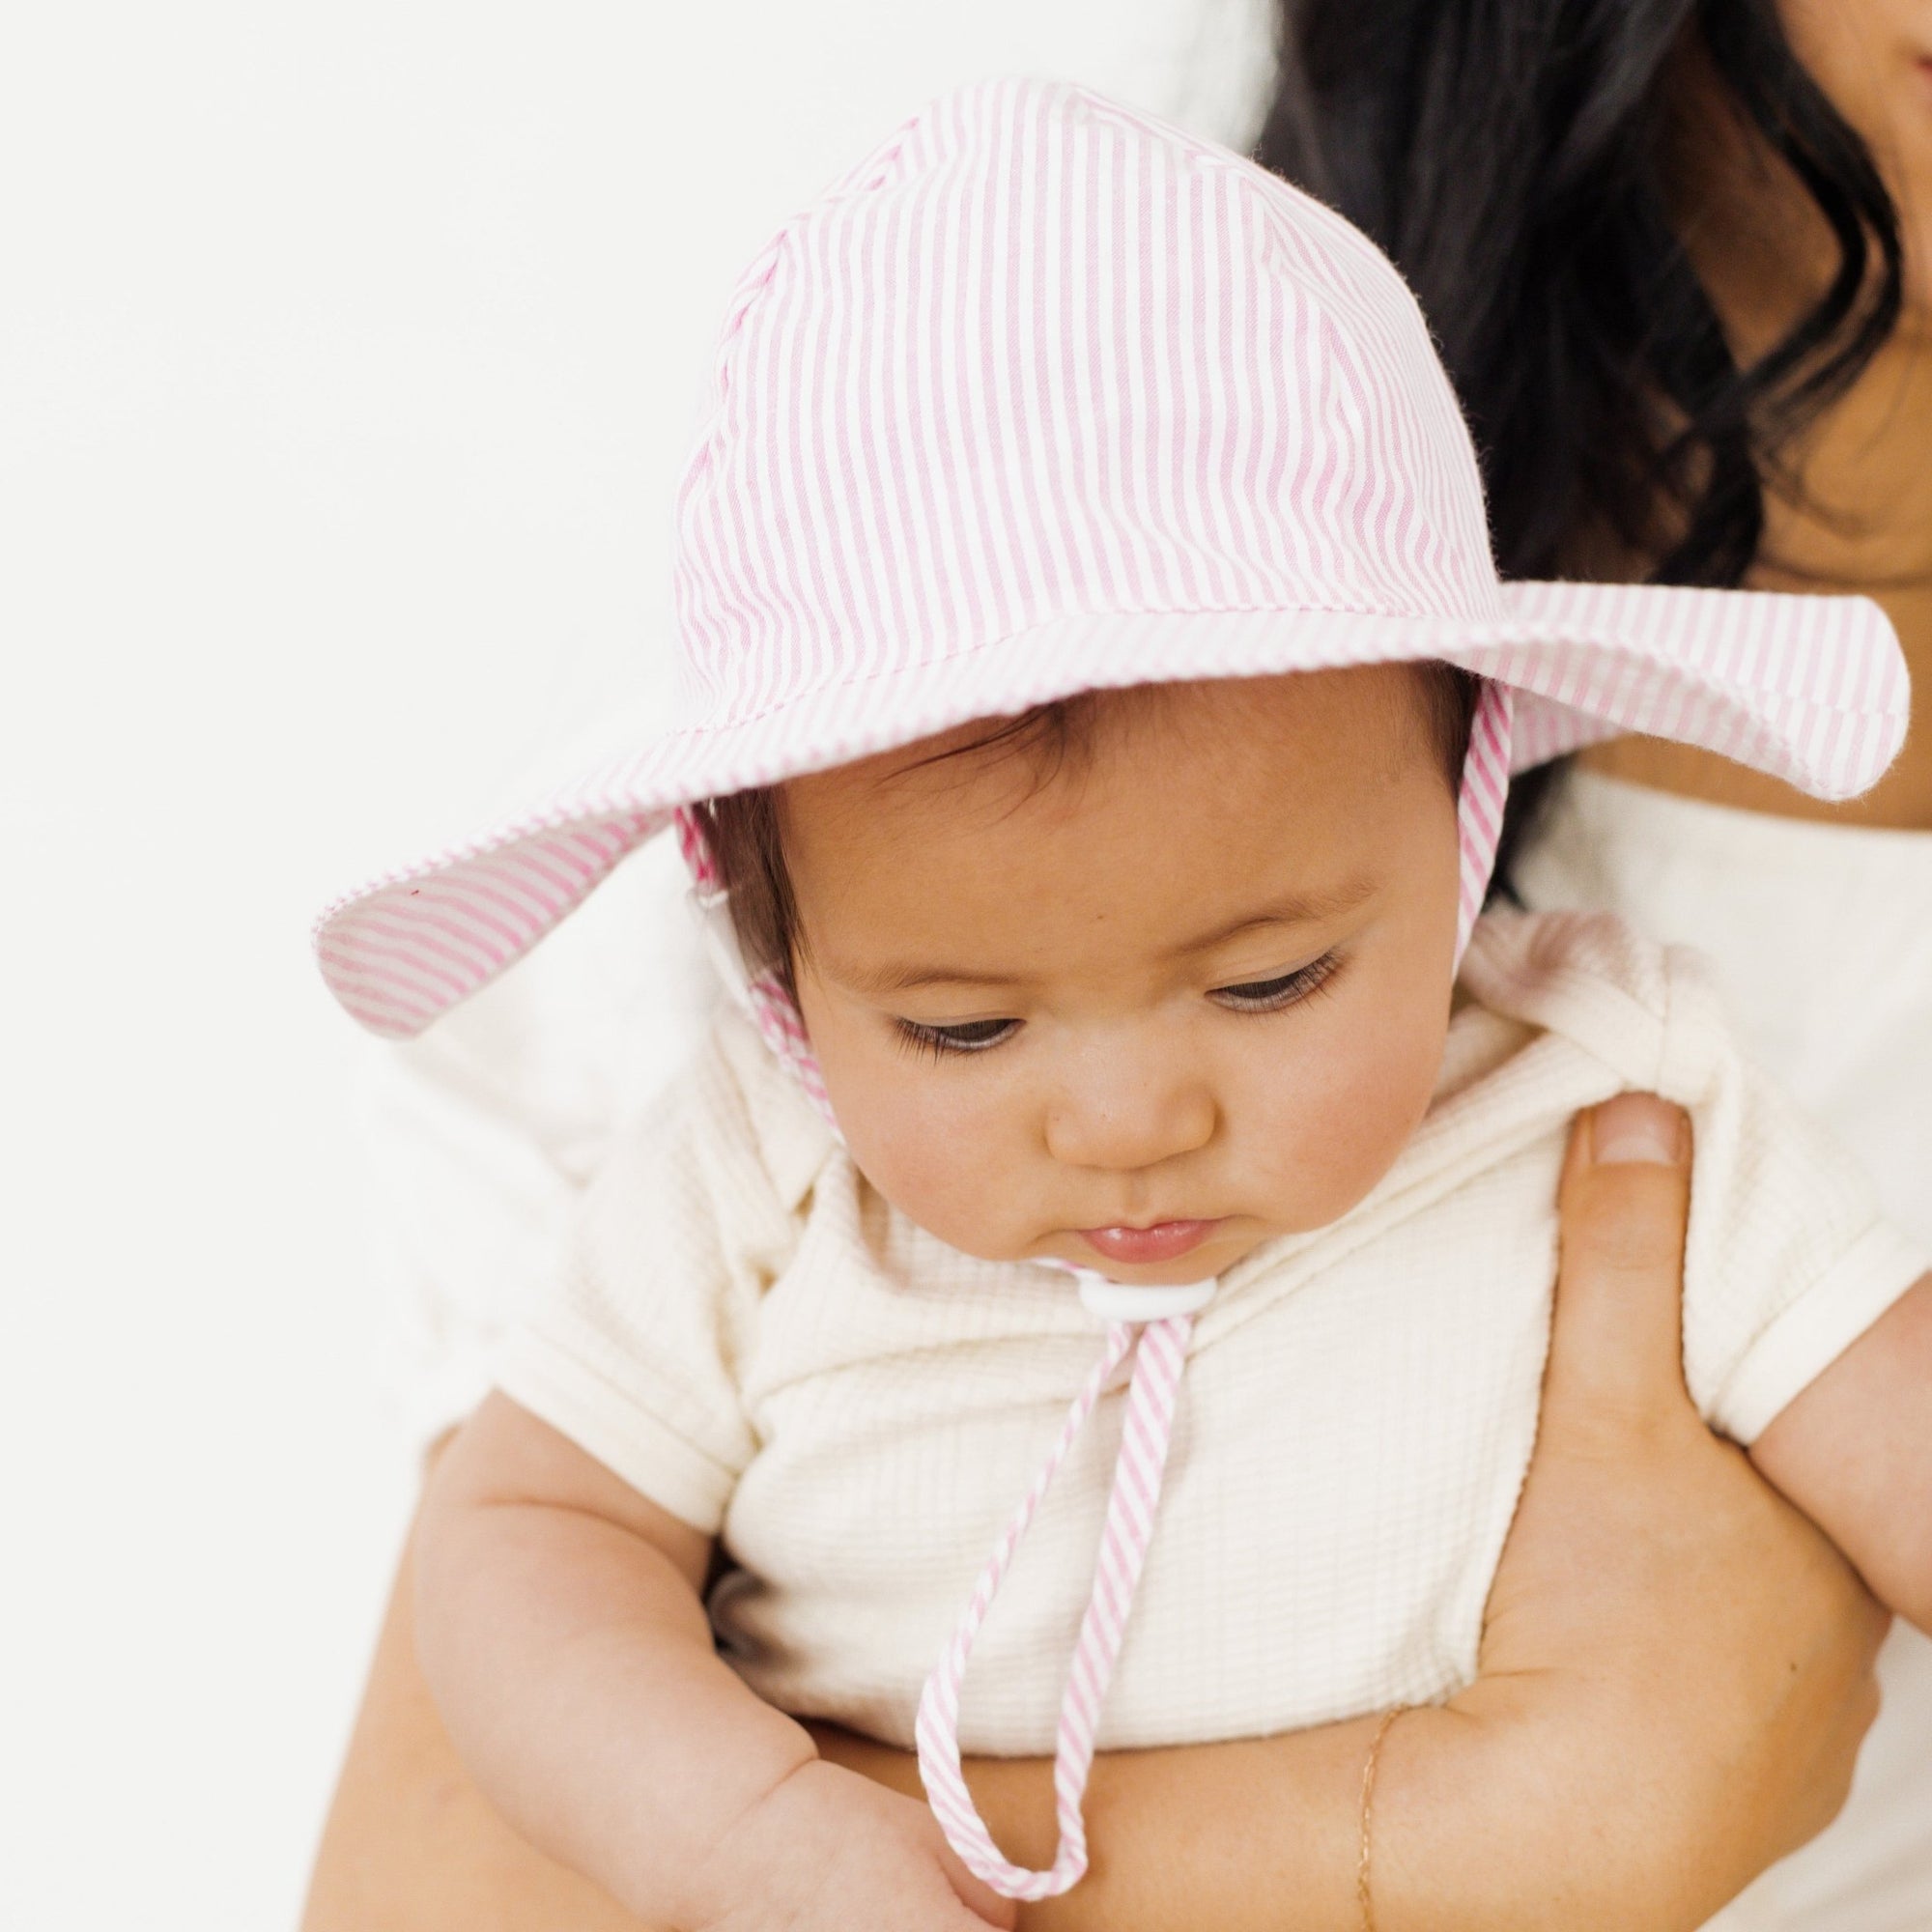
{"points": [[828, 1850]]}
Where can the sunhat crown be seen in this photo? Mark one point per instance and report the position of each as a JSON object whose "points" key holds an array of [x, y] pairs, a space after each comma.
{"points": [[1038, 358]]}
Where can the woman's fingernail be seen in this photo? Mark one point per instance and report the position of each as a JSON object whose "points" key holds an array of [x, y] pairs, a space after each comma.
{"points": [[1637, 1128]]}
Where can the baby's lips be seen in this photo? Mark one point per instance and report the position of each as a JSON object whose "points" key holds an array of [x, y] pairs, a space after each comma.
{"points": [[1163, 1241]]}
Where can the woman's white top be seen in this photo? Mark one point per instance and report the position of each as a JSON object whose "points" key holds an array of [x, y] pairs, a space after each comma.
{"points": [[1821, 939]]}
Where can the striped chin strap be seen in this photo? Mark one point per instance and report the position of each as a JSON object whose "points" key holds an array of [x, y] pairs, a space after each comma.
{"points": [[1153, 1326]]}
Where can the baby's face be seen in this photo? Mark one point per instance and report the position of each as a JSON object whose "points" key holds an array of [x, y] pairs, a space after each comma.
{"points": [[1143, 1014]]}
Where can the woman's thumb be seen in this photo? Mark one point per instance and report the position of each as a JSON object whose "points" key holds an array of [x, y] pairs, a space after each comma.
{"points": [[1616, 1351]]}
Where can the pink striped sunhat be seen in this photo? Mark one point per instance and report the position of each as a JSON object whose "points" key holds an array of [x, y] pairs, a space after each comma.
{"points": [[1046, 396]]}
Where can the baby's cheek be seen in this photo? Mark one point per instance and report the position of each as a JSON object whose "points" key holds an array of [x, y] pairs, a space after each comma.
{"points": [[1331, 1127], [939, 1163]]}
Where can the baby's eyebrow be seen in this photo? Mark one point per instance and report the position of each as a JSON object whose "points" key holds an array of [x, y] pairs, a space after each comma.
{"points": [[884, 980], [1299, 909]]}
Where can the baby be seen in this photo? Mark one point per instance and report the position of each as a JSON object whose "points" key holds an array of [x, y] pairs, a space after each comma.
{"points": [[1099, 707]]}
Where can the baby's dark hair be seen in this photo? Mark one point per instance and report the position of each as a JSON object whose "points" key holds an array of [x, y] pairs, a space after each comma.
{"points": [[747, 845]]}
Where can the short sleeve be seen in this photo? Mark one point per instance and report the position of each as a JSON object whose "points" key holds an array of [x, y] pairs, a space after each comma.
{"points": [[1789, 1259], [637, 1351]]}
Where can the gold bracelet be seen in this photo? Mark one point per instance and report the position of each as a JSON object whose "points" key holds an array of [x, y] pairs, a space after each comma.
{"points": [[1364, 1893]]}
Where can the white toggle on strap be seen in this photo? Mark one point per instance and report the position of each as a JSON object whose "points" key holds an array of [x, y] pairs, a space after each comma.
{"points": [[1134, 1301]]}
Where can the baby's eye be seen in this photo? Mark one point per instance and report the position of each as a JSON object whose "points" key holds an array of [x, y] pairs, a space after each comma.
{"points": [[1268, 996], [968, 1037]]}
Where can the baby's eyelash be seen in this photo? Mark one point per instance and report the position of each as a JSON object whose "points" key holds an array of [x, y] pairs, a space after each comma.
{"points": [[1270, 996], [968, 1037], [1251, 996]]}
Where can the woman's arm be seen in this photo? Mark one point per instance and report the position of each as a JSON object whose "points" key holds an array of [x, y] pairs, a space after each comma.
{"points": [[1676, 1676]]}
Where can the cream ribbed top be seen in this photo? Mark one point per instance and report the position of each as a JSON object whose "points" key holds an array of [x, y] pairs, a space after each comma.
{"points": [[752, 1337]]}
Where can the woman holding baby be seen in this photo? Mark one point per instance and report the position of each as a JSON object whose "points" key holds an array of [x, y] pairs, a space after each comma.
{"points": [[1673, 269]]}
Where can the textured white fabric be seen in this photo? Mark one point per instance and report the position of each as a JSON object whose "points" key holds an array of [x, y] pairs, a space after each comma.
{"points": [[748, 1334], [1821, 938]]}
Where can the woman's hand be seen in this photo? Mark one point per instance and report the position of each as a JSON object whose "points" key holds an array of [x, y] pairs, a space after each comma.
{"points": [[1676, 1665]]}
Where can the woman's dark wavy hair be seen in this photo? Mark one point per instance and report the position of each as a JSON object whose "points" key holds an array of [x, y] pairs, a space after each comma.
{"points": [[1508, 155]]}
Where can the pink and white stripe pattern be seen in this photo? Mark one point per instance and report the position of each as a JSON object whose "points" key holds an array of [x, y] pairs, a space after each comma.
{"points": [[1159, 1348], [778, 1021], [1479, 808]]}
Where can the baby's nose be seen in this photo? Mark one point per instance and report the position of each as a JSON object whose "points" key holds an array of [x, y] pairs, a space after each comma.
{"points": [[1124, 1114]]}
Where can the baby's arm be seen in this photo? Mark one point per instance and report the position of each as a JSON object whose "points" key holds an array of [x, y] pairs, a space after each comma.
{"points": [[1854, 1451], [561, 1632]]}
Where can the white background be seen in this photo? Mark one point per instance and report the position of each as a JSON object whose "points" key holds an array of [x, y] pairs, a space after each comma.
{"points": [[347, 357]]}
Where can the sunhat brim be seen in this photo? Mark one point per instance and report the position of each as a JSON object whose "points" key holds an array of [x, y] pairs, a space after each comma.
{"points": [[1811, 689]]}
